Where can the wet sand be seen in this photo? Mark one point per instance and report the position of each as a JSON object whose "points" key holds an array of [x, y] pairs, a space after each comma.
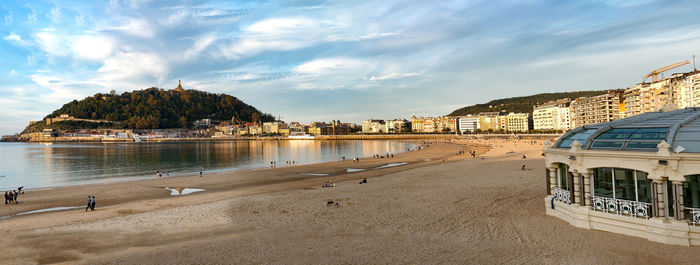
{"points": [[462, 211]]}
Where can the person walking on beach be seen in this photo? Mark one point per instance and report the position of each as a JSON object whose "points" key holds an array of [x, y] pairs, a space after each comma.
{"points": [[16, 194], [92, 205], [7, 198], [89, 203]]}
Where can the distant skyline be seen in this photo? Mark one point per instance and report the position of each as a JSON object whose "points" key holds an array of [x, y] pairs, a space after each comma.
{"points": [[345, 60]]}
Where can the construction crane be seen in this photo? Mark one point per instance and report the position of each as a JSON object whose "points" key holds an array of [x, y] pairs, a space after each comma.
{"points": [[655, 74]]}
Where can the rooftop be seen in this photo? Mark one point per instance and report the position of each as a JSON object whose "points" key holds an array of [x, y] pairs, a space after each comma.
{"points": [[642, 132]]}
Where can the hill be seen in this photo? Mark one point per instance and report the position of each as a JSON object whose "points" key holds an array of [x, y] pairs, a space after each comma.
{"points": [[152, 108], [522, 104]]}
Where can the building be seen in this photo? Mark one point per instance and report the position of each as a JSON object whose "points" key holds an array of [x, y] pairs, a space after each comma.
{"points": [[516, 122], [398, 126], [274, 127], [596, 109], [446, 124], [639, 176], [552, 116], [206, 123], [374, 126], [632, 102], [429, 125], [417, 124], [467, 124], [488, 121]]}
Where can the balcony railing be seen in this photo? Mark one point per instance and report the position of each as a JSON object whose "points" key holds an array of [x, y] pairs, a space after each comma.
{"points": [[694, 215], [621, 207], [562, 195]]}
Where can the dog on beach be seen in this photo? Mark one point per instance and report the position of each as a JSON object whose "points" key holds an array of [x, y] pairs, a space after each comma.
{"points": [[332, 203]]}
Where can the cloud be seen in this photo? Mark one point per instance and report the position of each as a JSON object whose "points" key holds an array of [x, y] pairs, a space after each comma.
{"points": [[126, 67], [16, 40], [331, 65], [92, 47], [52, 43], [138, 27], [393, 76], [8, 19], [275, 34], [13, 37]]}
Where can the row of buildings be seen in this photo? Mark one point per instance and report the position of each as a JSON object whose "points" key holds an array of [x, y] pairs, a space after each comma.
{"points": [[284, 129], [678, 91], [483, 122]]}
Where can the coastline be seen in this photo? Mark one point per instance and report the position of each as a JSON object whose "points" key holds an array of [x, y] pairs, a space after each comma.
{"points": [[145, 175], [459, 211], [145, 185], [284, 138]]}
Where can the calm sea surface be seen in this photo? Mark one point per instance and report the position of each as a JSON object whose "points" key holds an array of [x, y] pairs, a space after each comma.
{"points": [[36, 165]]}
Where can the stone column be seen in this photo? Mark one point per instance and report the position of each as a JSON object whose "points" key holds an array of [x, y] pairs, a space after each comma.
{"points": [[587, 188], [577, 189], [678, 199], [548, 177], [658, 200], [552, 178], [573, 187]]}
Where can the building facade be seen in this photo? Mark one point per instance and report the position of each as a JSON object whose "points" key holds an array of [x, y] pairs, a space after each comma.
{"points": [[553, 115], [638, 176], [467, 124], [596, 109]]}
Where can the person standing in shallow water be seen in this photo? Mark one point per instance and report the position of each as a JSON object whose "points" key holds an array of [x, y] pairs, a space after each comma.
{"points": [[200, 172], [92, 205]]}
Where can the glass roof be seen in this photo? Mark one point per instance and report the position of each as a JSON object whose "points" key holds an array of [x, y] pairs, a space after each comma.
{"points": [[630, 138], [580, 136], [643, 132]]}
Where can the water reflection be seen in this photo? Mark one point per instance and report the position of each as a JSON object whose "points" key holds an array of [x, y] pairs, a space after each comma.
{"points": [[47, 165]]}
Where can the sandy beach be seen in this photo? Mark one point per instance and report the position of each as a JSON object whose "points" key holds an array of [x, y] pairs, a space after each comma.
{"points": [[426, 211]]}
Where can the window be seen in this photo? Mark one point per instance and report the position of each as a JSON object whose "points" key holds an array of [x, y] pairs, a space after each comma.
{"points": [[564, 176], [620, 183], [691, 191], [602, 182], [580, 136], [630, 138]]}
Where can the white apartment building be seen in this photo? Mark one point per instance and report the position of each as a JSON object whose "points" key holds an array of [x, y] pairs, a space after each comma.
{"points": [[467, 124], [373, 126], [553, 115]]}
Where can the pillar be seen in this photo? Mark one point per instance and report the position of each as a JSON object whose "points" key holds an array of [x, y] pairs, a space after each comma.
{"points": [[548, 181], [586, 185], [552, 178], [573, 183], [678, 199], [577, 189], [658, 199]]}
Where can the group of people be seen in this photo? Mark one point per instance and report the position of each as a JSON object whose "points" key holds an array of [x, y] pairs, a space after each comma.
{"points": [[11, 196], [356, 160], [90, 203], [381, 156], [159, 174]]}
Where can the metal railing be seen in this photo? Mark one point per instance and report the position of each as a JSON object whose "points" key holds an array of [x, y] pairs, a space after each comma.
{"points": [[694, 215], [562, 195], [621, 207]]}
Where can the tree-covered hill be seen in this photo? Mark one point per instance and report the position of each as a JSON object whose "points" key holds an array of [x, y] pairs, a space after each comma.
{"points": [[522, 104], [155, 108]]}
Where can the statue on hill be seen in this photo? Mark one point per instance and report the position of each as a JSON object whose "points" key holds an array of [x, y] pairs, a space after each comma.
{"points": [[179, 87]]}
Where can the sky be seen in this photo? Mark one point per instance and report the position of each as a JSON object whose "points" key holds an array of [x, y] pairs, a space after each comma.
{"points": [[341, 60]]}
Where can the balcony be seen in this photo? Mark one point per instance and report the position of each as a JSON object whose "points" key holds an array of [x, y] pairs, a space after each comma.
{"points": [[622, 207]]}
